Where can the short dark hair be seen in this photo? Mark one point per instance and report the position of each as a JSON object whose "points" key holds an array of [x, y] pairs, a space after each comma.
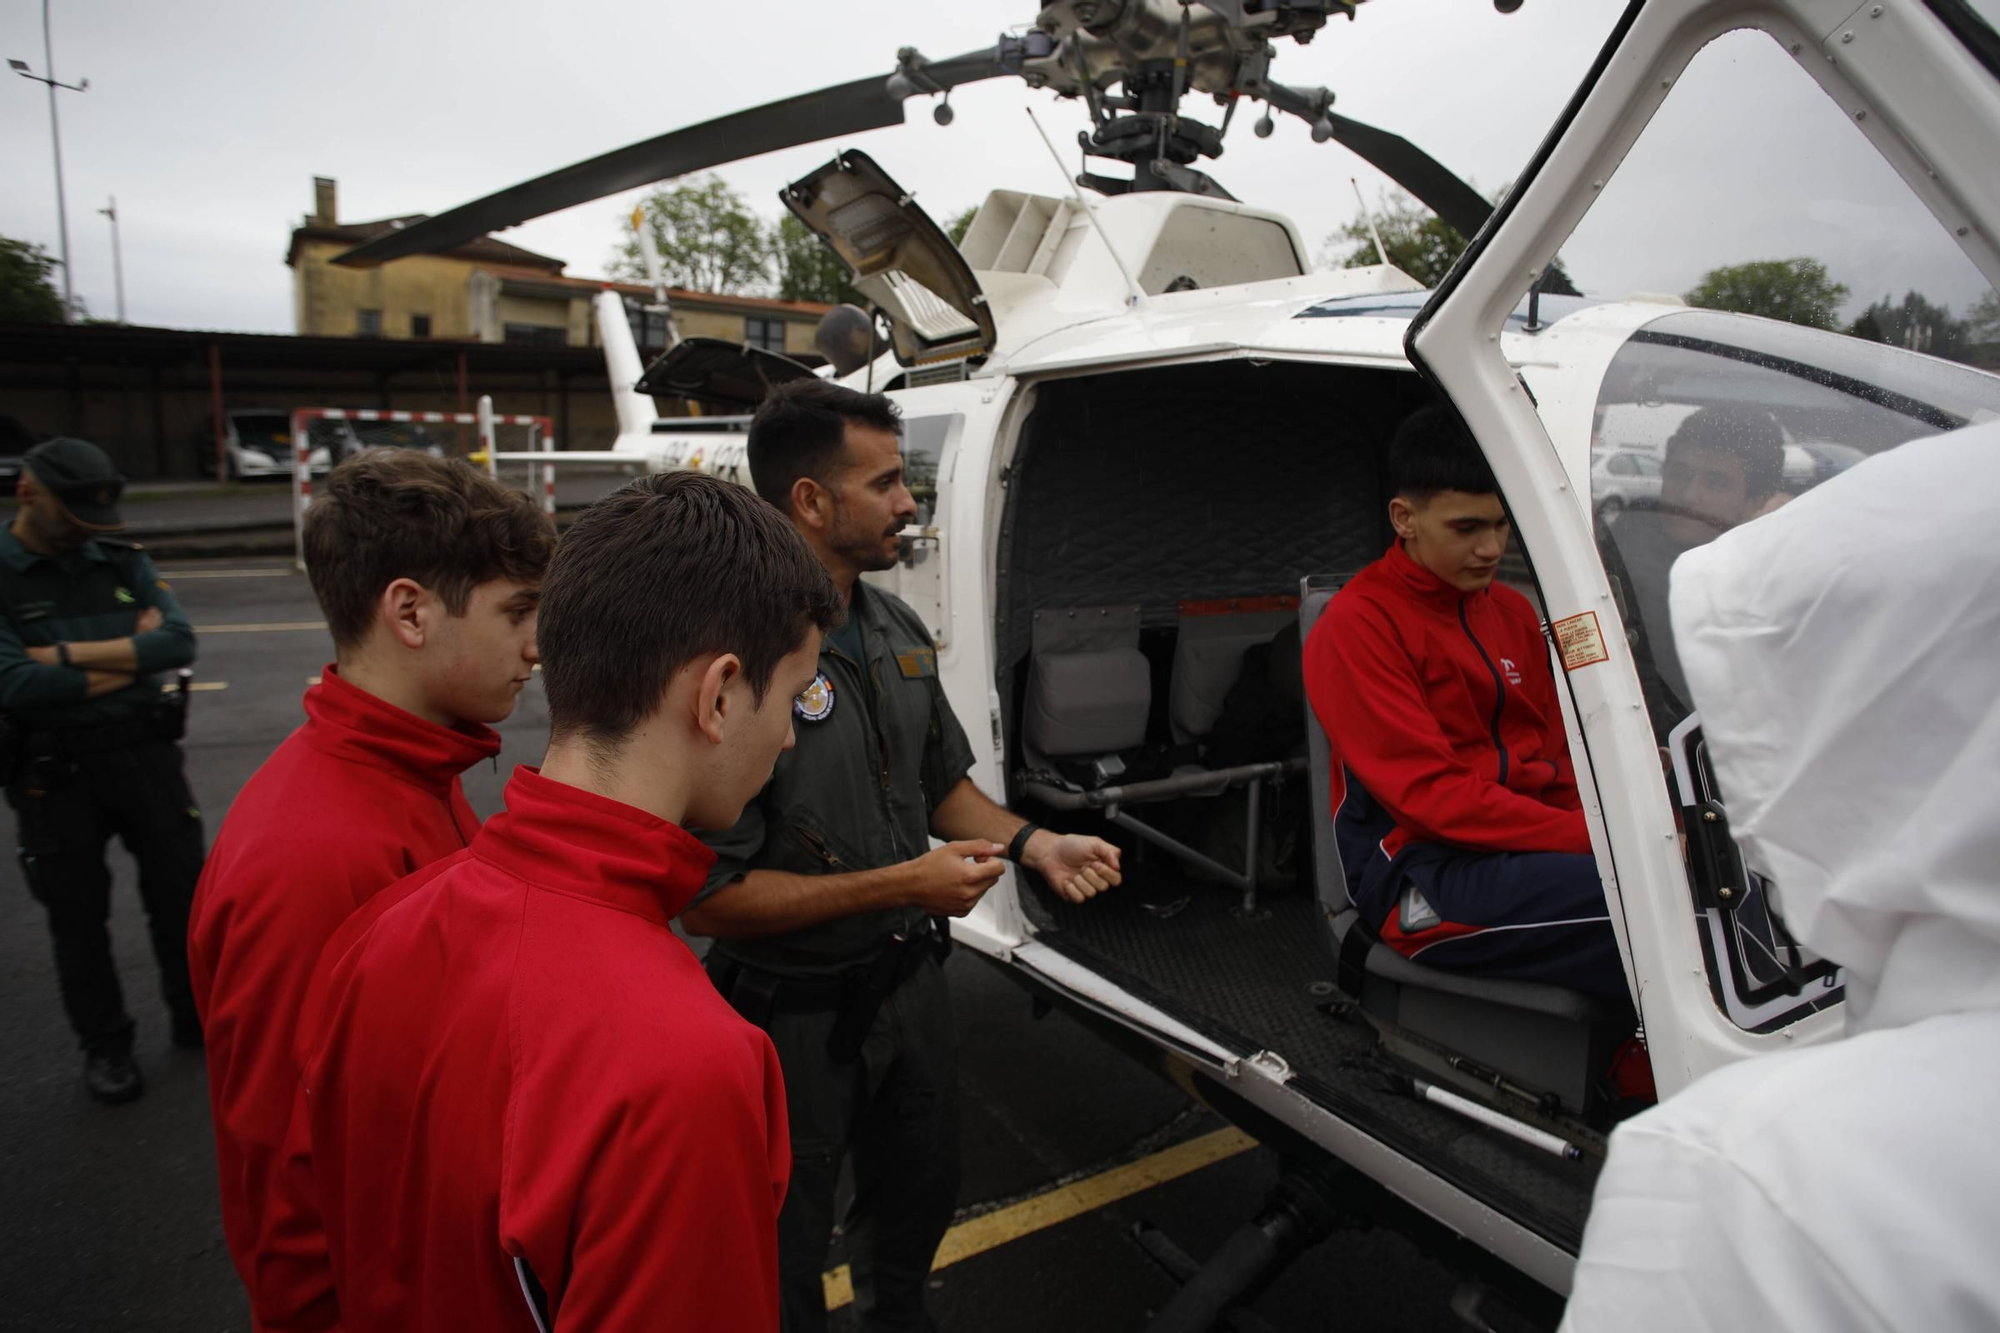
{"points": [[390, 514], [662, 571], [1750, 433], [1433, 452], [800, 428]]}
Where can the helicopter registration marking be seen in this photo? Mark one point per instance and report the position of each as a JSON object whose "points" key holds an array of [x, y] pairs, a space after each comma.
{"points": [[1580, 641]]}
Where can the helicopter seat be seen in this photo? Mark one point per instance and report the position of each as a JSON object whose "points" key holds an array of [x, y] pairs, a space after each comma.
{"points": [[1544, 1037], [1088, 702], [1208, 656]]}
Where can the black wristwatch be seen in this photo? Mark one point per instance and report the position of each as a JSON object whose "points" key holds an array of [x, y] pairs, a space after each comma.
{"points": [[1020, 842], [62, 653]]}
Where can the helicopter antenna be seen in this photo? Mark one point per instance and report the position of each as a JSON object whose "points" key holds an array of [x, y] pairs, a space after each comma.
{"points": [[1138, 298], [1369, 218]]}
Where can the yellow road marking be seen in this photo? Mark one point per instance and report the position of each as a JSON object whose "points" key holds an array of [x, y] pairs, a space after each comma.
{"points": [[203, 685], [224, 573], [275, 627], [991, 1230]]}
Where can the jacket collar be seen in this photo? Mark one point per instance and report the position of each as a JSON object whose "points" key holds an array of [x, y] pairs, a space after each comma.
{"points": [[22, 559], [349, 723], [564, 838], [1421, 584]]}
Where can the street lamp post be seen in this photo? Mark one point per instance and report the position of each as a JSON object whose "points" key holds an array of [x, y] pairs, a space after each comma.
{"points": [[110, 210], [20, 67]]}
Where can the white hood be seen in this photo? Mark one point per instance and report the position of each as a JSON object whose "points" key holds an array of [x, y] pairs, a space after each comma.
{"points": [[1844, 653]]}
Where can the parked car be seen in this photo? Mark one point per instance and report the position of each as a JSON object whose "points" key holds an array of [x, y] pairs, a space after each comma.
{"points": [[396, 435], [1620, 476], [257, 442]]}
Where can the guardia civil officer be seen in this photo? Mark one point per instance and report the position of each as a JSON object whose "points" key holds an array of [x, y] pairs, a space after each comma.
{"points": [[826, 901], [88, 629]]}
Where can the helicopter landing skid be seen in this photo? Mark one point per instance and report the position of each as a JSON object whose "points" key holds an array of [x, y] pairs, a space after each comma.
{"points": [[1299, 1213]]}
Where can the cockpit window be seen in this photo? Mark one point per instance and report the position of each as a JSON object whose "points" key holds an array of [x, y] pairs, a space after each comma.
{"points": [[1739, 417], [1789, 308]]}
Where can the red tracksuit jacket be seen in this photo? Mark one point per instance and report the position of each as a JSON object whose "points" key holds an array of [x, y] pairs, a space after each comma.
{"points": [[1442, 704], [511, 1055], [360, 796]]}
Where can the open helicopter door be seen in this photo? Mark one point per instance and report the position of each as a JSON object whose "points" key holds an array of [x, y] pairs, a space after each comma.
{"points": [[1758, 130], [899, 257]]}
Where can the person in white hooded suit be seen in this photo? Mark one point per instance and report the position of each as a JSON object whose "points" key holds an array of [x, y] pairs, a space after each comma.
{"points": [[1844, 653]]}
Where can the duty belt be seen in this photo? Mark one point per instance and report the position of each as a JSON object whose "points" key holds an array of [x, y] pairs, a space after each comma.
{"points": [[79, 741], [855, 996]]}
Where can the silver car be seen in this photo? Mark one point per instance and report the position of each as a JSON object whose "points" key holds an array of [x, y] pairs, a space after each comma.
{"points": [[1620, 476]]}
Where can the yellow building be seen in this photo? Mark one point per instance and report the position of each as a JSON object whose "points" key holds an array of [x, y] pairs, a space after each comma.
{"points": [[490, 291]]}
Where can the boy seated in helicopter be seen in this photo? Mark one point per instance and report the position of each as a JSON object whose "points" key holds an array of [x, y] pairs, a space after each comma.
{"points": [[1455, 804]]}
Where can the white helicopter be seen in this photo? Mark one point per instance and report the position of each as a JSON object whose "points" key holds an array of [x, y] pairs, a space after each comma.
{"points": [[1149, 440]]}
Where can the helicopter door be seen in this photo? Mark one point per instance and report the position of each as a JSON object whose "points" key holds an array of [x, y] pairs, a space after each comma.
{"points": [[900, 259], [1817, 196]]}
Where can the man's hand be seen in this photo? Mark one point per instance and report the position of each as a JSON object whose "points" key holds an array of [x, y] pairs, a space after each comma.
{"points": [[43, 655], [1076, 866], [149, 620], [950, 880]]}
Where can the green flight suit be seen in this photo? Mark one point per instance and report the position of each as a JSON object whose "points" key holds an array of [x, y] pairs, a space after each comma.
{"points": [[878, 748]]}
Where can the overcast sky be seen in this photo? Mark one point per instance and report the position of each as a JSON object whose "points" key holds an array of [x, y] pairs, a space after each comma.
{"points": [[208, 121]]}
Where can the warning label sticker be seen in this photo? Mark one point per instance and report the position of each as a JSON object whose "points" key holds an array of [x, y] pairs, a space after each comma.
{"points": [[1580, 641]]}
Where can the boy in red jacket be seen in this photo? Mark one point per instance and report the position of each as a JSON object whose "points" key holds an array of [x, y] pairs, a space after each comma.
{"points": [[527, 1105], [1455, 804], [428, 572]]}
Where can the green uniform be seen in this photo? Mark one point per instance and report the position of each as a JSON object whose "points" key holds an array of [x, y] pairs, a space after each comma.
{"points": [[82, 770], [878, 748], [857, 790]]}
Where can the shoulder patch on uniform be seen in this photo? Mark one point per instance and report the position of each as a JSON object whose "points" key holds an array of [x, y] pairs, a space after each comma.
{"points": [[815, 704], [918, 662]]}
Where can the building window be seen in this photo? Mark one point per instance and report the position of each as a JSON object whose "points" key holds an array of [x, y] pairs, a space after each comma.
{"points": [[768, 334], [420, 326], [649, 327], [535, 335], [368, 323]]}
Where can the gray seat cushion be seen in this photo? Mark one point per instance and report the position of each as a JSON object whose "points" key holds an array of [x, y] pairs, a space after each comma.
{"points": [[1208, 657], [1089, 702]]}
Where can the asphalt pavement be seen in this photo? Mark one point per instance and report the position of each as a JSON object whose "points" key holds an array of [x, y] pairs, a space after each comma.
{"points": [[108, 1219]]}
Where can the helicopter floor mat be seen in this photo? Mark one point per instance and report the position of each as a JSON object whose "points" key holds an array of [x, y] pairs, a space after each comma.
{"points": [[1262, 982]]}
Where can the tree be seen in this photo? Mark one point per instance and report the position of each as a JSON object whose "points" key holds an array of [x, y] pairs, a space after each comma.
{"points": [[808, 269], [26, 293], [1796, 290], [1418, 241], [1920, 325], [1982, 325], [709, 240], [960, 224]]}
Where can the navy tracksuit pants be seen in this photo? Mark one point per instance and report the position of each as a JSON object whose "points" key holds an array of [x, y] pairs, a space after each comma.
{"points": [[1538, 916]]}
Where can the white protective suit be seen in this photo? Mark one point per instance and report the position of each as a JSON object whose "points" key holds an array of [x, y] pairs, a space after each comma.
{"points": [[1844, 653]]}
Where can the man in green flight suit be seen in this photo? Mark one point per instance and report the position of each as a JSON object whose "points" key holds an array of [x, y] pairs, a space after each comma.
{"points": [[826, 900], [87, 626]]}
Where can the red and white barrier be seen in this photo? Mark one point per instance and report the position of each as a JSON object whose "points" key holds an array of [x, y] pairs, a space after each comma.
{"points": [[542, 435]]}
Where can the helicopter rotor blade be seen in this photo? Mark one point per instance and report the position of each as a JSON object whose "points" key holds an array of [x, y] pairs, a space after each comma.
{"points": [[1433, 183], [848, 108]]}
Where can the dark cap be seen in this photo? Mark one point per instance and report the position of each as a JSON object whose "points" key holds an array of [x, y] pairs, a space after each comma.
{"points": [[82, 477]]}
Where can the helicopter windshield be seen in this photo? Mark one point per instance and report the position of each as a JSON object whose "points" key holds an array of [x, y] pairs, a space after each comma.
{"points": [[1794, 309], [1717, 421]]}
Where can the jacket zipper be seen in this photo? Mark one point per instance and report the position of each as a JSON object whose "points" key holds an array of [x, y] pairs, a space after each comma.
{"points": [[1499, 685]]}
